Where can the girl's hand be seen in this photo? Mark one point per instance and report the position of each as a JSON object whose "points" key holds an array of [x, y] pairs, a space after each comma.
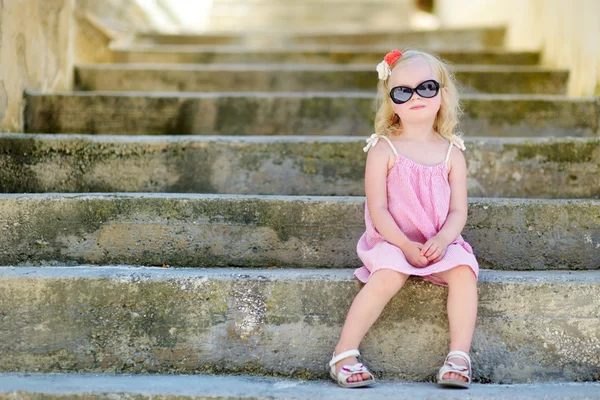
{"points": [[434, 249], [412, 252]]}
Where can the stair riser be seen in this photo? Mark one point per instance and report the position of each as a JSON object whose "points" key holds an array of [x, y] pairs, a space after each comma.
{"points": [[467, 39], [170, 54], [219, 230], [267, 114], [164, 80], [209, 39], [148, 321], [285, 166]]}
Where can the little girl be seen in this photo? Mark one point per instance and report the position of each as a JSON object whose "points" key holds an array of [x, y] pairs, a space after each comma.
{"points": [[416, 208]]}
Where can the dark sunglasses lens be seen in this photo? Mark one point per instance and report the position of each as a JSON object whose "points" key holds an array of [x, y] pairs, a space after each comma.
{"points": [[428, 89], [401, 94]]}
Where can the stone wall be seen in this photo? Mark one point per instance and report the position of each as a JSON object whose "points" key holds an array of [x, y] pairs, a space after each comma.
{"points": [[41, 41], [566, 32], [35, 53]]}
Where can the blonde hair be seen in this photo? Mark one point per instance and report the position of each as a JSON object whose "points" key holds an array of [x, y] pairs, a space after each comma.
{"points": [[446, 120]]}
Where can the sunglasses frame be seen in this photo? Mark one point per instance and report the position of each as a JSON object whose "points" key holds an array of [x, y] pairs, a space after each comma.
{"points": [[413, 90]]}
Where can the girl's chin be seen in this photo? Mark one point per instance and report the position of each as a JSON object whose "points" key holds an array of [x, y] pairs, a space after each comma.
{"points": [[417, 117]]}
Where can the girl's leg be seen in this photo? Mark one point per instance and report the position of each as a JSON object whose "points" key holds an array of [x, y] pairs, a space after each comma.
{"points": [[364, 311], [462, 311]]}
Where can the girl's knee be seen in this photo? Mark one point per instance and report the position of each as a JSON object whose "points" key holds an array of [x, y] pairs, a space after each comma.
{"points": [[389, 278], [461, 273]]}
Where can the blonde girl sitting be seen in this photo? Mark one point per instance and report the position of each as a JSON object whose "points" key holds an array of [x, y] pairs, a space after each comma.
{"points": [[416, 208]]}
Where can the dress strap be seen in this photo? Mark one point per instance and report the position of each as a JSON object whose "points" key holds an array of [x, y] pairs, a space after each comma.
{"points": [[372, 141], [390, 143], [448, 153]]}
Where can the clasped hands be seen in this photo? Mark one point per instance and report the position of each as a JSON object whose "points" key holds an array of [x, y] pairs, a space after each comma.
{"points": [[421, 255]]}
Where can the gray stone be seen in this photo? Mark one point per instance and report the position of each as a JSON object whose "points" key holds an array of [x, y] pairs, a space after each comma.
{"points": [[210, 387], [210, 54], [459, 39], [527, 168], [532, 326], [292, 114], [302, 77], [205, 39], [283, 231]]}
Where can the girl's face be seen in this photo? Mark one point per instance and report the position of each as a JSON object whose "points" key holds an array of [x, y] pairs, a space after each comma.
{"points": [[417, 109]]}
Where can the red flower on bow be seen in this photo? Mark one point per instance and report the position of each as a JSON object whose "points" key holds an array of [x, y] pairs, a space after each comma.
{"points": [[393, 56]]}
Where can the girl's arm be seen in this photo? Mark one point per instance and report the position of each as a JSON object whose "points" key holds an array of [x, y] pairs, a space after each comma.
{"points": [[435, 248], [379, 160]]}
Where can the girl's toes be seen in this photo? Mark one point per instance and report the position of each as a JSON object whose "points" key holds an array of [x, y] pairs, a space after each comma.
{"points": [[455, 377]]}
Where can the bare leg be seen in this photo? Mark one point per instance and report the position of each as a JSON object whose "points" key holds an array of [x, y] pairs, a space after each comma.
{"points": [[364, 311], [462, 311]]}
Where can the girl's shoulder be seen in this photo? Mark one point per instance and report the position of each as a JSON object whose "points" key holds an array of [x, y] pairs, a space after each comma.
{"points": [[379, 146]]}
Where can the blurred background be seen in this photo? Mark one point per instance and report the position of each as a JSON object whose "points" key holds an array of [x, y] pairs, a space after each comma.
{"points": [[41, 40]]}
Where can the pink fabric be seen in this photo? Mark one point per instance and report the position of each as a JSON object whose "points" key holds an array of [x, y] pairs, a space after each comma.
{"points": [[419, 202]]}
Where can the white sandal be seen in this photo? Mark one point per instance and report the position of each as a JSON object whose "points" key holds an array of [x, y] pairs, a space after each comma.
{"points": [[449, 366], [348, 370]]}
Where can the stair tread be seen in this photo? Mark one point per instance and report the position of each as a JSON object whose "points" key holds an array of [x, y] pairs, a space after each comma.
{"points": [[253, 387]]}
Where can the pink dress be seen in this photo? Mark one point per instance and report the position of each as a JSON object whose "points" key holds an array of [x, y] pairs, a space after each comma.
{"points": [[419, 202]]}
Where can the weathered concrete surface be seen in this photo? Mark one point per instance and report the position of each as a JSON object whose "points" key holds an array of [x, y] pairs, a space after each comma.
{"points": [[288, 231], [531, 326], [301, 78], [207, 54], [532, 168], [463, 39], [292, 114], [210, 387], [206, 39]]}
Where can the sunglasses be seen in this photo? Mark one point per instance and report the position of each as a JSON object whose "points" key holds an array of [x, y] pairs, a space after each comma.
{"points": [[427, 89]]}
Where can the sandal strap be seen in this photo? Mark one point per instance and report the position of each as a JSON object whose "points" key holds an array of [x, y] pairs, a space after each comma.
{"points": [[462, 370], [348, 370], [354, 369], [459, 370], [459, 354], [350, 353]]}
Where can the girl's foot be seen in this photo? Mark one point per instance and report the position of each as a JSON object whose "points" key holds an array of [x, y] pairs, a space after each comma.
{"points": [[348, 372], [349, 361], [453, 376], [456, 371]]}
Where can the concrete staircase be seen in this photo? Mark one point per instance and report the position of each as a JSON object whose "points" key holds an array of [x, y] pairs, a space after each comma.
{"points": [[231, 251]]}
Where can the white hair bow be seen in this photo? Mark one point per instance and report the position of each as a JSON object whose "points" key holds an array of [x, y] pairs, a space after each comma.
{"points": [[371, 141], [383, 70]]}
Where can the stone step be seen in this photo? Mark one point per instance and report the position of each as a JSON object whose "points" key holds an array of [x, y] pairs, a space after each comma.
{"points": [[531, 168], [209, 387], [456, 39], [211, 39], [532, 326], [301, 15], [248, 16], [303, 78], [448, 39], [207, 54], [192, 230], [291, 114]]}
